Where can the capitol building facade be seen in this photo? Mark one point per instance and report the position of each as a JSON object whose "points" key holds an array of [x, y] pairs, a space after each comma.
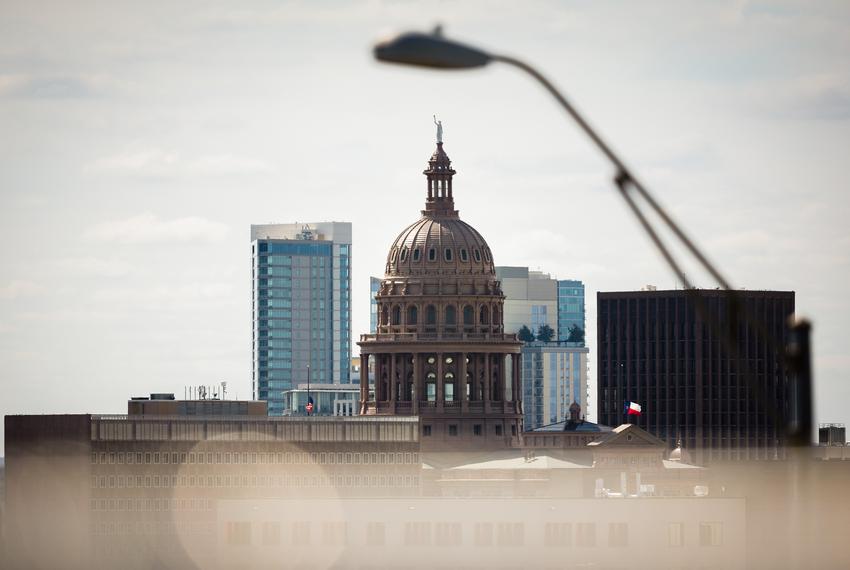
{"points": [[440, 351]]}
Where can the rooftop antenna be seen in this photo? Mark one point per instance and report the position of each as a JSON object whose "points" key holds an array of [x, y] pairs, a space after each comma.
{"points": [[223, 389]]}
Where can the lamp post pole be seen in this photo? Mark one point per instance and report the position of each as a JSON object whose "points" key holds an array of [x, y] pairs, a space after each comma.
{"points": [[436, 52]]}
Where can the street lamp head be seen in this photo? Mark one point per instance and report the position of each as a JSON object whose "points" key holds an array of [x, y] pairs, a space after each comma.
{"points": [[430, 50]]}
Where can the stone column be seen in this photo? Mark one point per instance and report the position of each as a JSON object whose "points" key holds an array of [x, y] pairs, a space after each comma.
{"points": [[440, 394], [364, 381], [487, 380], [464, 399], [417, 382], [393, 383], [518, 382]]}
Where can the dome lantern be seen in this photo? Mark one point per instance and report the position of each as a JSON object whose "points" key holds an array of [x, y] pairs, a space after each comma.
{"points": [[439, 173]]}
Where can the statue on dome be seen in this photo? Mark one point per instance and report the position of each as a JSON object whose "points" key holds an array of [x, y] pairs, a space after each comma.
{"points": [[439, 129]]}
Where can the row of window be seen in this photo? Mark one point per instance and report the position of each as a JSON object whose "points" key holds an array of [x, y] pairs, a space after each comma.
{"points": [[411, 314], [233, 481], [134, 529], [281, 458], [448, 254], [450, 534]]}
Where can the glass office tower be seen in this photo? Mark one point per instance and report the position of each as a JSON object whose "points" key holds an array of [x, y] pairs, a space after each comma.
{"points": [[374, 286], [571, 321], [301, 276]]}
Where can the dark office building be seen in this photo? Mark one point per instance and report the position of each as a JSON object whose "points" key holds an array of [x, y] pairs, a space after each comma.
{"points": [[656, 350]]}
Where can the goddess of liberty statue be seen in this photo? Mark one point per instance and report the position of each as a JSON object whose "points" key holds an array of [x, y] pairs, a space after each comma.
{"points": [[439, 129]]}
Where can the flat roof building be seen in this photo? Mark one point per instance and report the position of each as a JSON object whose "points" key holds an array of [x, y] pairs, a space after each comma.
{"points": [[655, 349], [301, 306]]}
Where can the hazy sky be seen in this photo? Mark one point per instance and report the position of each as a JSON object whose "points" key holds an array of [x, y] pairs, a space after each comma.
{"points": [[140, 140]]}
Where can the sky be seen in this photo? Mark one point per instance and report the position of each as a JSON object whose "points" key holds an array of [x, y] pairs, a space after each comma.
{"points": [[140, 140]]}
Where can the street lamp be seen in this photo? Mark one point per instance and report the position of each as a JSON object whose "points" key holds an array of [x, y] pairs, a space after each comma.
{"points": [[436, 52]]}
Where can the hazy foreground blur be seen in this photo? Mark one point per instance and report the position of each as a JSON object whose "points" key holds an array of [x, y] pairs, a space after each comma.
{"points": [[106, 492]]}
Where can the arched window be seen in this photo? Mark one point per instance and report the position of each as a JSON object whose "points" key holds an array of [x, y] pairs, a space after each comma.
{"points": [[416, 254], [484, 317], [468, 315], [451, 315], [449, 387], [412, 315], [432, 254], [385, 315], [477, 254], [497, 318], [448, 254], [393, 254], [431, 387], [403, 254], [397, 315], [463, 255], [430, 315]]}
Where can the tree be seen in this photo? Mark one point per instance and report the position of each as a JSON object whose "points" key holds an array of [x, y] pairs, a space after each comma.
{"points": [[525, 334], [545, 333], [576, 334]]}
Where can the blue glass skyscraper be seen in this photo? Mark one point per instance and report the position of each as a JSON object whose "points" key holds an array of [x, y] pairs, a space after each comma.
{"points": [[301, 307], [571, 321]]}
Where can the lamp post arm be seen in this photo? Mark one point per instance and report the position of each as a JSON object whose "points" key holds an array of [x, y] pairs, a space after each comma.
{"points": [[624, 175]]}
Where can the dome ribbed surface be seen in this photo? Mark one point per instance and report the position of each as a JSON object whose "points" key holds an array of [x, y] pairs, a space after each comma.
{"points": [[443, 245]]}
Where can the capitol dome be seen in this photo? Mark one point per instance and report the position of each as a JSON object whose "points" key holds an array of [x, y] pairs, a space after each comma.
{"points": [[439, 350], [439, 243]]}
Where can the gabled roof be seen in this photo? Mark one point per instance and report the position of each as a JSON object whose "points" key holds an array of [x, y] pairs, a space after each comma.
{"points": [[628, 435]]}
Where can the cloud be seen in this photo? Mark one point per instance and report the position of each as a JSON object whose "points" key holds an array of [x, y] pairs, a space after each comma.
{"points": [[811, 97], [97, 266], [49, 87], [147, 228], [19, 289], [158, 162]]}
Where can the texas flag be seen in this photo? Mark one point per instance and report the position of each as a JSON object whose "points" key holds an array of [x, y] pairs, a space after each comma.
{"points": [[632, 409]]}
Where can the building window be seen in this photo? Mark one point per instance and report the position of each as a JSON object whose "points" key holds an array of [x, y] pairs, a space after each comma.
{"points": [[510, 534], [397, 315], [448, 254], [403, 256], [468, 316], [483, 534], [477, 255], [417, 534], [618, 534], [271, 533], [376, 531], [463, 255], [476, 429], [499, 429], [676, 534], [448, 534], [451, 315], [484, 316], [334, 533], [412, 315], [586, 534], [238, 533], [426, 431], [453, 429], [558, 534], [430, 315], [416, 254], [710, 534], [432, 254]]}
